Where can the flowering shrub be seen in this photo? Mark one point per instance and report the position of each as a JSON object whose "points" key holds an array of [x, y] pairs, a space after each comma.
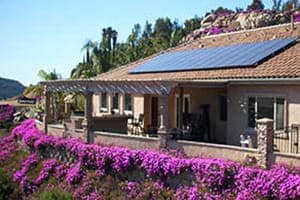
{"points": [[297, 17], [6, 113], [83, 166]]}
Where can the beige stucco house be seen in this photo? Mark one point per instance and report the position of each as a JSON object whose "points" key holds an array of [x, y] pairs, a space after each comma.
{"points": [[230, 96], [209, 104]]}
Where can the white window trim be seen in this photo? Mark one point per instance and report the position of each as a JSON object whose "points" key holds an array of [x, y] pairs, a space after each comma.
{"points": [[275, 97]]}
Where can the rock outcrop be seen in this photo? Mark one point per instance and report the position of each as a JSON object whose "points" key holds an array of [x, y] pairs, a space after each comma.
{"points": [[235, 21]]}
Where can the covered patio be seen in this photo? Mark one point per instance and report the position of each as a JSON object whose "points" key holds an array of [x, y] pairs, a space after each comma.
{"points": [[167, 112]]}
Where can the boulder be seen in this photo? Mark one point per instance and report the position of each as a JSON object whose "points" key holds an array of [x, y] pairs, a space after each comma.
{"points": [[208, 19]]}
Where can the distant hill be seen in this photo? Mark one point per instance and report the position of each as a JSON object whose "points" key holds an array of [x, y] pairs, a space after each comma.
{"points": [[10, 88]]}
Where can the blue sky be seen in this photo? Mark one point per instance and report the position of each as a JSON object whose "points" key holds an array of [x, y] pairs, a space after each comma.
{"points": [[48, 34]]}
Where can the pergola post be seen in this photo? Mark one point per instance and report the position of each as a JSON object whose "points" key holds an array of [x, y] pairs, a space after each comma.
{"points": [[164, 122], [88, 116], [47, 110]]}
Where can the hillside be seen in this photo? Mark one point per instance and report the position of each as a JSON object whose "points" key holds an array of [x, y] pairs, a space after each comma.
{"points": [[10, 88], [228, 21]]}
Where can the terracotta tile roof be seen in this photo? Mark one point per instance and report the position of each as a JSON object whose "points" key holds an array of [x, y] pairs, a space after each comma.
{"points": [[283, 65]]}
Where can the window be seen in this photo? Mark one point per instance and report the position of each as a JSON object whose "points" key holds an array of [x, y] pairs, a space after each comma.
{"points": [[103, 101], [128, 104], [177, 111], [115, 103], [279, 114], [223, 108], [266, 107], [186, 104], [185, 107]]}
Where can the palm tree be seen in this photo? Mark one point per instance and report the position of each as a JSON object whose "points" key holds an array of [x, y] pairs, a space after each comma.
{"points": [[87, 68], [49, 76], [88, 47]]}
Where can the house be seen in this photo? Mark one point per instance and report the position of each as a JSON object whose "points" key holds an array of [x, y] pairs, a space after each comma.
{"points": [[212, 89]]}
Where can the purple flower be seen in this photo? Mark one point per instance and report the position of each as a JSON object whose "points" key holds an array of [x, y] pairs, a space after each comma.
{"points": [[212, 178], [6, 113]]}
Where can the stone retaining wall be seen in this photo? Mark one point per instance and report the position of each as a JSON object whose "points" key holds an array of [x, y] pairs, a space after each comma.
{"points": [[227, 152], [189, 148], [134, 142]]}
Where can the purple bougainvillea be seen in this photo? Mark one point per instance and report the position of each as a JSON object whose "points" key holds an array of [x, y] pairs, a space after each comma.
{"points": [[6, 113], [297, 17], [213, 178]]}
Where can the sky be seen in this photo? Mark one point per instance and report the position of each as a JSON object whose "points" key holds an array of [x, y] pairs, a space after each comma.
{"points": [[48, 34]]}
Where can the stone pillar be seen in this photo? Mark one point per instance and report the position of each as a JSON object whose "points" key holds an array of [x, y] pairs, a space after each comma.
{"points": [[47, 110], [88, 117], [265, 142], [163, 132]]}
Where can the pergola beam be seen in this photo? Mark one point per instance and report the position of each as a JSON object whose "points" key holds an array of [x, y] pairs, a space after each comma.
{"points": [[122, 87]]}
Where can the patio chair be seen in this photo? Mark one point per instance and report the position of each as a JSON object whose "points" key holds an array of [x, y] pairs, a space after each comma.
{"points": [[137, 125]]}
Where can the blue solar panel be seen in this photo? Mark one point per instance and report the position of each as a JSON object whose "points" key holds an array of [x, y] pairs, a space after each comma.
{"points": [[240, 55]]}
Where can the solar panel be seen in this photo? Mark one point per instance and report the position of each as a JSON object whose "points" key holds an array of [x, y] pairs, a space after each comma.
{"points": [[240, 55]]}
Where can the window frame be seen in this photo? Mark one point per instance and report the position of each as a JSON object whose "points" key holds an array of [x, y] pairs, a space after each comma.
{"points": [[274, 97], [115, 110], [223, 116], [185, 96], [126, 111], [104, 109]]}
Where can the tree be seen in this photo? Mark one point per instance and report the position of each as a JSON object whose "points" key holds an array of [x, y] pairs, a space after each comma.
{"points": [[163, 29], [177, 34], [86, 69], [192, 24], [221, 10], [277, 5], [147, 33], [48, 76], [289, 5], [256, 5], [88, 47]]}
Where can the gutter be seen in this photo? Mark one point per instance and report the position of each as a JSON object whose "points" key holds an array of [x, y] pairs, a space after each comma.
{"points": [[245, 81]]}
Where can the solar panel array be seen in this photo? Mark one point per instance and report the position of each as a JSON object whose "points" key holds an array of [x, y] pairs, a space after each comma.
{"points": [[240, 55]]}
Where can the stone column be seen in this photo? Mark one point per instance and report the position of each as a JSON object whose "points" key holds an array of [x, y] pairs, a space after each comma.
{"points": [[265, 142], [163, 132], [47, 110], [88, 116]]}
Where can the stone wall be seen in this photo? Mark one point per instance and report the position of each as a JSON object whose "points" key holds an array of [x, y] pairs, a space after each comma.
{"points": [[289, 159], [134, 142], [201, 149], [264, 155]]}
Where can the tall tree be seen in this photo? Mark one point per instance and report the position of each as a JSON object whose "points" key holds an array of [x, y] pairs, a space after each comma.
{"points": [[163, 29], [289, 5], [192, 24], [277, 5], [256, 5], [177, 34], [48, 76]]}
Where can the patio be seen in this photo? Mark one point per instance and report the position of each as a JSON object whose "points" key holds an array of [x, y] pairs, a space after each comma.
{"points": [[167, 109]]}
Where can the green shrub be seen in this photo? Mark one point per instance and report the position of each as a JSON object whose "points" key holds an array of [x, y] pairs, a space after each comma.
{"points": [[8, 188], [53, 194]]}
